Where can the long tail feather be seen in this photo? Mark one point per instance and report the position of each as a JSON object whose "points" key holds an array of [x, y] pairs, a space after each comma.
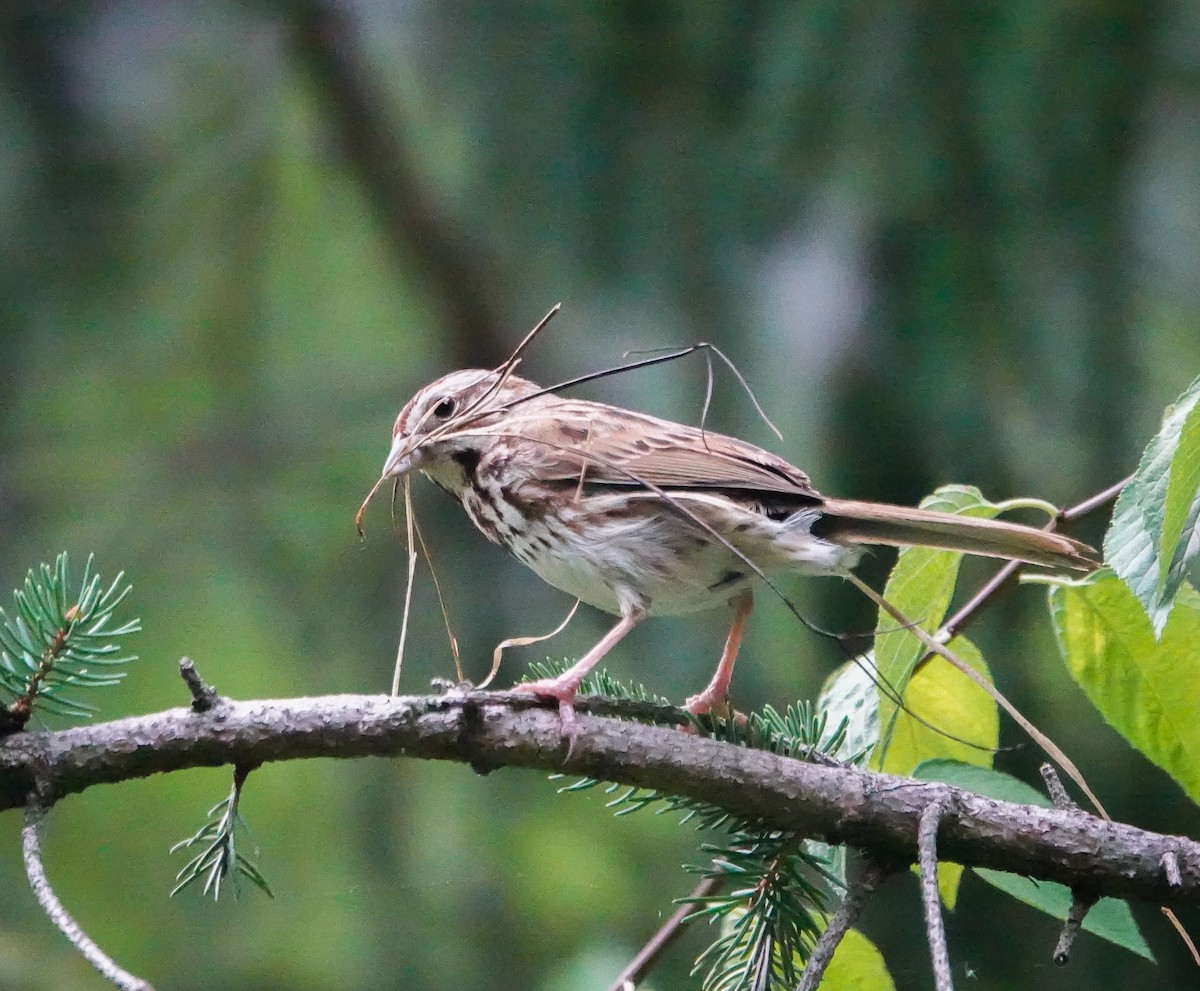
{"points": [[852, 522]]}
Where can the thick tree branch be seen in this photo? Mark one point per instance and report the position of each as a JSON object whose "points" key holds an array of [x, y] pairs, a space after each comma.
{"points": [[487, 730]]}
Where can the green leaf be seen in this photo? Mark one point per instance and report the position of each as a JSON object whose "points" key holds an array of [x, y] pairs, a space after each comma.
{"points": [[857, 965], [1145, 687], [920, 587], [1109, 918], [984, 781], [849, 696], [1153, 533], [961, 721], [1180, 540]]}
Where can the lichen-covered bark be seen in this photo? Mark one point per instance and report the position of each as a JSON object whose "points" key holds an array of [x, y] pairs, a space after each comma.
{"points": [[875, 812]]}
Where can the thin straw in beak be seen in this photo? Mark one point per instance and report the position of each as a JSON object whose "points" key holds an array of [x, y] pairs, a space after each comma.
{"points": [[400, 461]]}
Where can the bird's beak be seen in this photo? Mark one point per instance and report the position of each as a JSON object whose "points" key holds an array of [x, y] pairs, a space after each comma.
{"points": [[400, 460]]}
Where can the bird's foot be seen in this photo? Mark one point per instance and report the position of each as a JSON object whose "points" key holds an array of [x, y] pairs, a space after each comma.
{"points": [[710, 703], [563, 691]]}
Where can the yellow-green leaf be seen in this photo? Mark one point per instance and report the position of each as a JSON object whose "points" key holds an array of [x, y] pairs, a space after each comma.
{"points": [[1146, 688], [920, 587], [949, 716], [857, 965], [963, 725], [850, 694], [1180, 541]]}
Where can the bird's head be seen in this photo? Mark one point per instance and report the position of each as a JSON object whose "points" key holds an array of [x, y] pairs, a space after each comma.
{"points": [[446, 427]]}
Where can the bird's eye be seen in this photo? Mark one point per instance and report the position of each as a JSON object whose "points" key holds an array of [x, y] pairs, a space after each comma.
{"points": [[445, 409]]}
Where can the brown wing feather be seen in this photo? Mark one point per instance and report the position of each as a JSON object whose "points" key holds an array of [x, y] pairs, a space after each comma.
{"points": [[620, 446], [598, 443]]}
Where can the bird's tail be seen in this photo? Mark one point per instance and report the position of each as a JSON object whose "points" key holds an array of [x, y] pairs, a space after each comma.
{"points": [[848, 521]]}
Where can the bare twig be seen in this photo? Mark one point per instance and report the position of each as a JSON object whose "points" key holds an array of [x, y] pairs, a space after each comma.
{"points": [[35, 815], [648, 955], [1099, 500], [935, 928], [1183, 934], [988, 590], [1054, 788], [1170, 863], [204, 696], [874, 873], [1081, 904]]}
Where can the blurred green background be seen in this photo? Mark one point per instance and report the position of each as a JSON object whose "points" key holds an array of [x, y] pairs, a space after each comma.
{"points": [[944, 241]]}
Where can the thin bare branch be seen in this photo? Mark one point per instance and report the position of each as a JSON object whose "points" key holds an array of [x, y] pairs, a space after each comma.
{"points": [[31, 842], [935, 927], [648, 955], [1170, 863], [204, 696], [993, 585], [372, 140], [1055, 789], [1183, 934], [1081, 904], [861, 889]]}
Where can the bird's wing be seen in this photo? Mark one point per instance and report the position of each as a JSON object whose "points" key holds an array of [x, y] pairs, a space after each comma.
{"points": [[613, 446]]}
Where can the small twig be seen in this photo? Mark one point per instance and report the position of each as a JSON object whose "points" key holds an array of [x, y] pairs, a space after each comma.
{"points": [[204, 696], [874, 873], [1081, 904], [1081, 509], [967, 612], [35, 816], [1170, 863], [648, 955], [935, 927], [1055, 788], [1183, 934]]}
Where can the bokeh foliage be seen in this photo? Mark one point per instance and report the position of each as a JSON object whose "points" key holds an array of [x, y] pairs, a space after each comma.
{"points": [[946, 242]]}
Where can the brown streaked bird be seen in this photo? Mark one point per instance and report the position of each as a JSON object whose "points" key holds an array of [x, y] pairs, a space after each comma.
{"points": [[639, 516]]}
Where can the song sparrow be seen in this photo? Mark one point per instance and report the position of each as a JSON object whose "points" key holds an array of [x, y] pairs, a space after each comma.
{"points": [[639, 516]]}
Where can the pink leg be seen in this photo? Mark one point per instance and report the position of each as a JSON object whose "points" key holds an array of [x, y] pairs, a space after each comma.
{"points": [[718, 689], [564, 687]]}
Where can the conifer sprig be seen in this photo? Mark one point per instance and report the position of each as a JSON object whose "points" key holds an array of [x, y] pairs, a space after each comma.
{"points": [[778, 888], [221, 857], [57, 640]]}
